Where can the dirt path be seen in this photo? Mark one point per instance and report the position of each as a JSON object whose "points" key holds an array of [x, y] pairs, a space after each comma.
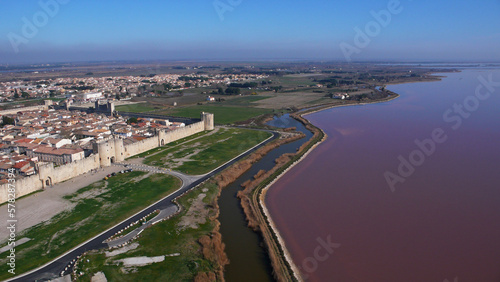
{"points": [[196, 214]]}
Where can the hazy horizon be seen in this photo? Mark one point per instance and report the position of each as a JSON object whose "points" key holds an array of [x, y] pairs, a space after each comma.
{"points": [[50, 31]]}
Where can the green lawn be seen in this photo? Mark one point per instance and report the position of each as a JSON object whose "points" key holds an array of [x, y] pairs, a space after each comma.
{"points": [[209, 152], [245, 100], [98, 206], [222, 114], [137, 108], [162, 239]]}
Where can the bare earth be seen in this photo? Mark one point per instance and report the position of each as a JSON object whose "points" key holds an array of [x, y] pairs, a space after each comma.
{"points": [[196, 214], [122, 250], [141, 261], [99, 277], [44, 205]]}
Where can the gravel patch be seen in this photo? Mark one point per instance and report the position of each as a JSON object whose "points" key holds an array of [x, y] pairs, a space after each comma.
{"points": [[122, 250], [141, 261], [99, 277]]}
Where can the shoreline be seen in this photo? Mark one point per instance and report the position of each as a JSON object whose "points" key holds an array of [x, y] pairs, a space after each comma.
{"points": [[271, 224], [327, 107], [262, 192]]}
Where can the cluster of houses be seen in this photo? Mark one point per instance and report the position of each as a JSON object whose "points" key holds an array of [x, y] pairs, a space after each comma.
{"points": [[341, 96], [62, 136], [89, 89]]}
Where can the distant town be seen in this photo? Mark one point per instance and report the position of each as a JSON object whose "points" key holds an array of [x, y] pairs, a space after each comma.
{"points": [[89, 89]]}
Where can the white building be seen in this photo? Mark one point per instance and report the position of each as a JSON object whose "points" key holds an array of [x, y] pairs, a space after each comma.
{"points": [[92, 96]]}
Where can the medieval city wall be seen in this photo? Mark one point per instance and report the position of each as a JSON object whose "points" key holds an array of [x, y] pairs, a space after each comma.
{"points": [[179, 133], [25, 109], [140, 147], [109, 151], [162, 138], [49, 175], [64, 172], [23, 186]]}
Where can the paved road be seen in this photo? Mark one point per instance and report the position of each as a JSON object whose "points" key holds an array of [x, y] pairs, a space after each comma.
{"points": [[165, 213], [56, 267], [185, 178]]}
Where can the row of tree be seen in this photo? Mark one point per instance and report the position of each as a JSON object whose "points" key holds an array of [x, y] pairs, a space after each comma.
{"points": [[229, 91]]}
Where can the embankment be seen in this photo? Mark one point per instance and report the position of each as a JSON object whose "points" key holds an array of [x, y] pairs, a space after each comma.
{"points": [[212, 249], [258, 218], [212, 246]]}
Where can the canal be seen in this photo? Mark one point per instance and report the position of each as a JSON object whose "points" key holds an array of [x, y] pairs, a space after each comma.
{"points": [[244, 247]]}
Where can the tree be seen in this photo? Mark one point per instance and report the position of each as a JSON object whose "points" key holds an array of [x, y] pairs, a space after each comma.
{"points": [[167, 86], [25, 95], [233, 91], [7, 120], [16, 95], [220, 91], [132, 120], [276, 88], [117, 96]]}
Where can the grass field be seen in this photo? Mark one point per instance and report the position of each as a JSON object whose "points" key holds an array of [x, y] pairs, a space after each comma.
{"points": [[294, 80], [162, 239], [222, 114], [244, 101], [209, 152], [137, 108], [97, 207]]}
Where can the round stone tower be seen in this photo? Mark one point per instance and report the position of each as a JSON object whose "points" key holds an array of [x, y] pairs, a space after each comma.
{"points": [[119, 150], [106, 151], [110, 151], [208, 120]]}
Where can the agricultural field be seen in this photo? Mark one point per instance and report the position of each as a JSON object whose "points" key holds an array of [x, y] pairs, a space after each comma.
{"points": [[275, 93], [94, 209]]}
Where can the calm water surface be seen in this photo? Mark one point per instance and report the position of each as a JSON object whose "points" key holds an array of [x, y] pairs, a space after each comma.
{"points": [[442, 222]]}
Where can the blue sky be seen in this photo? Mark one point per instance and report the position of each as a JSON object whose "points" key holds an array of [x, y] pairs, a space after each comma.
{"points": [[423, 30]]}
